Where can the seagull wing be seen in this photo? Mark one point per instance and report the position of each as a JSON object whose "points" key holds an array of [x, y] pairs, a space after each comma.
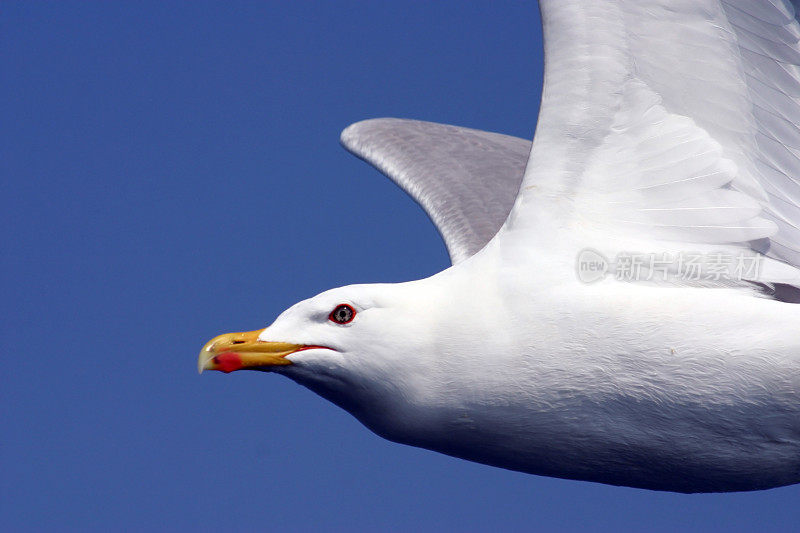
{"points": [[466, 180], [670, 121]]}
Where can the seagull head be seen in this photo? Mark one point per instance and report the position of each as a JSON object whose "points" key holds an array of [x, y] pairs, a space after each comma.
{"points": [[359, 346]]}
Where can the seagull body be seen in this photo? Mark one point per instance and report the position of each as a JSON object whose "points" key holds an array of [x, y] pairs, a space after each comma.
{"points": [[655, 140]]}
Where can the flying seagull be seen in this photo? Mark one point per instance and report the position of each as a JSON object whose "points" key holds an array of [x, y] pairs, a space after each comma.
{"points": [[621, 305]]}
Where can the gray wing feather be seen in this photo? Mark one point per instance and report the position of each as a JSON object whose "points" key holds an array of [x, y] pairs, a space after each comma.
{"points": [[768, 35], [466, 180]]}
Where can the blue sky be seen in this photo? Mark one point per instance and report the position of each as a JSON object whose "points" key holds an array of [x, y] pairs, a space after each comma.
{"points": [[172, 171]]}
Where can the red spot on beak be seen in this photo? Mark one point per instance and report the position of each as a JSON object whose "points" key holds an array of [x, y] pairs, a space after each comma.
{"points": [[228, 362]]}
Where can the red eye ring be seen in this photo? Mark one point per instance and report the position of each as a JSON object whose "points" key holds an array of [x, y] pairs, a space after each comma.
{"points": [[342, 314]]}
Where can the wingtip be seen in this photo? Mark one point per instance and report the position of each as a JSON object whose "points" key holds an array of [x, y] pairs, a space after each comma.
{"points": [[357, 130]]}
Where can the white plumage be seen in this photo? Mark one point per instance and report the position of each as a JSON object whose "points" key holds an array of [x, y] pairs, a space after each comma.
{"points": [[667, 129]]}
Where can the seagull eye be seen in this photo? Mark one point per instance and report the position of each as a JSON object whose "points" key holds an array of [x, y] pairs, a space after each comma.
{"points": [[342, 314]]}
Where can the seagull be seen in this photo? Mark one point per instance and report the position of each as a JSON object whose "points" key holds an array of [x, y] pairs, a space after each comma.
{"points": [[622, 305]]}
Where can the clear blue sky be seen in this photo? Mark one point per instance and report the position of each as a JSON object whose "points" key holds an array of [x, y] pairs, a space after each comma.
{"points": [[172, 171]]}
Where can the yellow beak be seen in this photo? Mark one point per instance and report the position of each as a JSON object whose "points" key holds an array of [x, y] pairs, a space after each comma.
{"points": [[236, 351]]}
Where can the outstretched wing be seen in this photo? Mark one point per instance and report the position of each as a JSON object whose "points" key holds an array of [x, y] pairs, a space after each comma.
{"points": [[466, 180], [670, 120]]}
